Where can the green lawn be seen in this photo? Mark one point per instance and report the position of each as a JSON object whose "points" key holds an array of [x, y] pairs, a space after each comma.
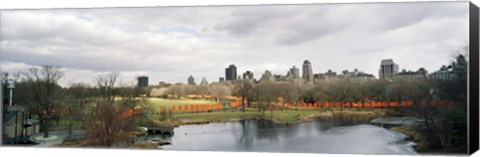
{"points": [[216, 116], [291, 115], [154, 102], [282, 116]]}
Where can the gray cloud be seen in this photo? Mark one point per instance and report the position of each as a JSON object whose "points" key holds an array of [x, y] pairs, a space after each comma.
{"points": [[170, 43]]}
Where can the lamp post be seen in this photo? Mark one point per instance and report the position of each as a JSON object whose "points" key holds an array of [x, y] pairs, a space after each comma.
{"points": [[10, 85]]}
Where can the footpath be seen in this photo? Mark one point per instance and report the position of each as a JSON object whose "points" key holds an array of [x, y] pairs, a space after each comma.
{"points": [[55, 137]]}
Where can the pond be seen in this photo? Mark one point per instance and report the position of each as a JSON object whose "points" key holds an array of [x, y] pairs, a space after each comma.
{"points": [[342, 133]]}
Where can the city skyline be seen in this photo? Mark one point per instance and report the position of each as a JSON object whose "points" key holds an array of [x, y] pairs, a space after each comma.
{"points": [[201, 42], [383, 62]]}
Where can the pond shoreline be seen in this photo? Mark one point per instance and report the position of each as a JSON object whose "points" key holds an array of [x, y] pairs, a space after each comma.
{"points": [[406, 130], [310, 137], [300, 118], [267, 116]]}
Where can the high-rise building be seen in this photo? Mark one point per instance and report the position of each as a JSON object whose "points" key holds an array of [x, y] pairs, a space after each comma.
{"points": [[248, 75], [388, 69], [204, 81], [142, 81], [293, 73], [307, 71], [191, 80], [267, 76], [231, 72]]}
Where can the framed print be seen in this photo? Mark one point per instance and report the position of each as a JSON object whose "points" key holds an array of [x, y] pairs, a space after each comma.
{"points": [[355, 78]]}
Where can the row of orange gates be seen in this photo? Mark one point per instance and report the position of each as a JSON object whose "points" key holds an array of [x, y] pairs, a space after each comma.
{"points": [[303, 105], [367, 104], [198, 107]]}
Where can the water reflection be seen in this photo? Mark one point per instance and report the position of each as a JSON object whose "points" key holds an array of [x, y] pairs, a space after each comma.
{"points": [[319, 136], [246, 136]]}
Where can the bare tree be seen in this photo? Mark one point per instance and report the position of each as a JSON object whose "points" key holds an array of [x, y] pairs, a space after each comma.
{"points": [[423, 103], [77, 99], [374, 90], [129, 99], [202, 89], [267, 94], [341, 90], [45, 89], [243, 89], [445, 126], [288, 93], [220, 91], [112, 115], [176, 90], [294, 90], [106, 87], [318, 93]]}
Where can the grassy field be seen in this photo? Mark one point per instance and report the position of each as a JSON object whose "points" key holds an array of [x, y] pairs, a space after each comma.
{"points": [[215, 116], [289, 116], [292, 115]]}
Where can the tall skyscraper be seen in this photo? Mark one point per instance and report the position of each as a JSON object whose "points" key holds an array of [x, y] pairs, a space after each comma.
{"points": [[142, 81], [307, 71], [248, 75], [388, 69], [294, 72], [191, 80], [231, 72]]}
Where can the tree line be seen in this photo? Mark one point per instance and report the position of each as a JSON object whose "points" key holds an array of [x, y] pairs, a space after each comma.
{"points": [[444, 125], [107, 110], [99, 107]]}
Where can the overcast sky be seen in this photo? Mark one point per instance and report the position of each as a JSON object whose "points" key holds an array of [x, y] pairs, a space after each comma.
{"points": [[171, 43]]}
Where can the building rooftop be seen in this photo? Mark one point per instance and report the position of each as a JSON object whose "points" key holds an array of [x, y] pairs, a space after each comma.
{"points": [[11, 114], [387, 62]]}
